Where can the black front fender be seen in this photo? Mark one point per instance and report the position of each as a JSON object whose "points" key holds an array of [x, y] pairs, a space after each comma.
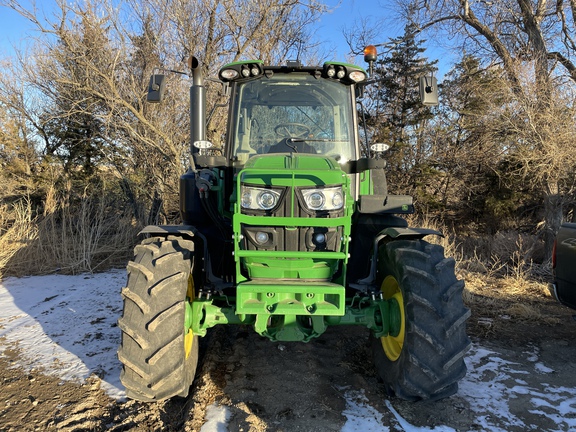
{"points": [[407, 233], [185, 231], [391, 234]]}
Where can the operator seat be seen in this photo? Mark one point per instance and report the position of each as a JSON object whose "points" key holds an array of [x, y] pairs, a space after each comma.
{"points": [[288, 147]]}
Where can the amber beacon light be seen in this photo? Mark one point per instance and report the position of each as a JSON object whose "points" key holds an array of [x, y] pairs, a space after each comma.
{"points": [[370, 56]]}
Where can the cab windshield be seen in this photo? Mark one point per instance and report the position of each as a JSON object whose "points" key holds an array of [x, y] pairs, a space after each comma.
{"points": [[294, 112]]}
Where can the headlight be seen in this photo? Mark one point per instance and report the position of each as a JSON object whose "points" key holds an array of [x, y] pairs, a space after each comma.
{"points": [[254, 198], [229, 74], [324, 199], [357, 76]]}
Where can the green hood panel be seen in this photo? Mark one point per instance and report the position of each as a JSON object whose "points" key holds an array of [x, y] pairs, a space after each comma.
{"points": [[295, 169], [293, 161]]}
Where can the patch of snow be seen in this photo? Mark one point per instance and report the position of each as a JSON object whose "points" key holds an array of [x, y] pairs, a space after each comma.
{"points": [[217, 417], [360, 416], [65, 325], [532, 355], [488, 388], [485, 387], [556, 403], [543, 369]]}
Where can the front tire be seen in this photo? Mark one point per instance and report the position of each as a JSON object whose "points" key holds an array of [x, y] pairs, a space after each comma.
{"points": [[425, 359], [159, 354]]}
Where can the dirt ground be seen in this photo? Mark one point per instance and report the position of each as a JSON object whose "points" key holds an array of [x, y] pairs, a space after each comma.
{"points": [[287, 387]]}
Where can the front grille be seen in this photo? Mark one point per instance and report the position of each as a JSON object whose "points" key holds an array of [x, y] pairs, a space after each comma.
{"points": [[303, 239]]}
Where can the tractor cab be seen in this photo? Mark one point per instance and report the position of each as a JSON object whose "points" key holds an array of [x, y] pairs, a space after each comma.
{"points": [[292, 109]]}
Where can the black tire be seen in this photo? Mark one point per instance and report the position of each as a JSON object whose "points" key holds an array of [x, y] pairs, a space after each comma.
{"points": [[156, 363], [426, 359]]}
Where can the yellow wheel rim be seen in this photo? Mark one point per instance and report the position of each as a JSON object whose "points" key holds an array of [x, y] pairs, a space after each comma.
{"points": [[392, 345], [189, 336]]}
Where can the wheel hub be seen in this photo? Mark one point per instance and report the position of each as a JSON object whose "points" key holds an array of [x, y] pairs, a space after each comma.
{"points": [[393, 343]]}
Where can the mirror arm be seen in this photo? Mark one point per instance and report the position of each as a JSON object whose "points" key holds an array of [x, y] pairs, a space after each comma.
{"points": [[213, 110]]}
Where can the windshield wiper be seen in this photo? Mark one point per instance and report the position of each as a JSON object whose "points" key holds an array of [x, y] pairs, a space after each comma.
{"points": [[316, 140]]}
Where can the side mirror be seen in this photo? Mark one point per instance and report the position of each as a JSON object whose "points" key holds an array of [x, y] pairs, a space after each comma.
{"points": [[363, 164], [156, 88], [428, 91]]}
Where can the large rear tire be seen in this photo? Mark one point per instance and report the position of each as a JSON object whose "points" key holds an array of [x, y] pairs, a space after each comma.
{"points": [[159, 355], [425, 360]]}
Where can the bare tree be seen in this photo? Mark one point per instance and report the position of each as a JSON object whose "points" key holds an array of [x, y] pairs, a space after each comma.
{"points": [[515, 32], [19, 161], [533, 42]]}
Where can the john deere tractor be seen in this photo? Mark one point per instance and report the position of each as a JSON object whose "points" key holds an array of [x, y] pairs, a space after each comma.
{"points": [[282, 231]]}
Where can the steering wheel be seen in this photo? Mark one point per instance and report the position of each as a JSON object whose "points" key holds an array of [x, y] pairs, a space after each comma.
{"points": [[292, 130]]}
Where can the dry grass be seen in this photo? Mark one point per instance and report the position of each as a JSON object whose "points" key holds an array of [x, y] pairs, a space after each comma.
{"points": [[19, 230], [503, 283], [508, 298], [90, 235]]}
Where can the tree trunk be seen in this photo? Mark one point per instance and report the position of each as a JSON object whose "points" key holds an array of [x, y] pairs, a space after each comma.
{"points": [[129, 193], [552, 222], [155, 208]]}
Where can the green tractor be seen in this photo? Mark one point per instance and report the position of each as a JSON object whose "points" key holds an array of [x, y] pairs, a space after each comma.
{"points": [[282, 231]]}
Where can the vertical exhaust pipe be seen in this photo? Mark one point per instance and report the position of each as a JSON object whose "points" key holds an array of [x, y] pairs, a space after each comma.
{"points": [[192, 209], [197, 105]]}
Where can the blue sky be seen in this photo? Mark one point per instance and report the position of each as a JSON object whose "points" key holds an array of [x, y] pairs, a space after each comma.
{"points": [[347, 13], [12, 26]]}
